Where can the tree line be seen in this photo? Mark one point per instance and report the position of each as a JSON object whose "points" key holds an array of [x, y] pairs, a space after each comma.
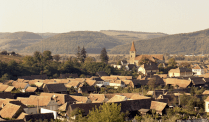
{"points": [[43, 63]]}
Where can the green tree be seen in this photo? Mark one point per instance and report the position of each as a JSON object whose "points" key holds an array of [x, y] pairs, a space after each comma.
{"points": [[47, 55], [172, 63], [108, 112], [56, 57], [78, 53], [83, 55], [103, 56]]}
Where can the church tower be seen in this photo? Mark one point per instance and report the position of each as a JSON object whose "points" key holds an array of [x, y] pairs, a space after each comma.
{"points": [[132, 53]]}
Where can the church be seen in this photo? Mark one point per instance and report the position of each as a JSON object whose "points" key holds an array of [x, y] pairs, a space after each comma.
{"points": [[134, 59]]}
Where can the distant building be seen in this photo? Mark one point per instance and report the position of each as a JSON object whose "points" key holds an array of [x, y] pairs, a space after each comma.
{"points": [[180, 72], [134, 59]]}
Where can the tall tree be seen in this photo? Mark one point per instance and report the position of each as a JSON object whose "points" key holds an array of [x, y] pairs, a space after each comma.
{"points": [[103, 56], [47, 55], [78, 53], [83, 55]]}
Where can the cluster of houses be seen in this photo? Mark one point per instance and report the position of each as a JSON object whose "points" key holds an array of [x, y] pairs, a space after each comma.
{"points": [[37, 97], [50, 99]]}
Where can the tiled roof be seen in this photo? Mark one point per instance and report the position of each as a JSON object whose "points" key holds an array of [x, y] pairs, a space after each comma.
{"points": [[10, 111], [19, 85], [64, 107], [180, 82], [97, 97], [137, 97], [31, 89], [22, 115], [9, 89], [90, 82], [206, 92], [118, 98], [56, 87], [158, 106], [82, 99], [3, 87], [72, 83]]}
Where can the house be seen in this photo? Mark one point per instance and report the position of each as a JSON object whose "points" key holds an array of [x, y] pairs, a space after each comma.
{"points": [[206, 92], [158, 106], [31, 89], [117, 66], [130, 66], [207, 104], [59, 98], [64, 107], [91, 82], [123, 62], [180, 72], [3, 87], [55, 88], [198, 70], [86, 89], [129, 83], [42, 101], [117, 83], [138, 97], [9, 89], [118, 98], [22, 115], [178, 83], [22, 86], [74, 84], [11, 111], [65, 81], [134, 59], [97, 98], [197, 81], [81, 99], [149, 68], [131, 105]]}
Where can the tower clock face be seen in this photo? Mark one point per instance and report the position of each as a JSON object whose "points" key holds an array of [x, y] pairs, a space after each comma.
{"points": [[132, 51]]}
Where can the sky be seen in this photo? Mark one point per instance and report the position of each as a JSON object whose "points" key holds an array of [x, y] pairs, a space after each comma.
{"points": [[59, 16]]}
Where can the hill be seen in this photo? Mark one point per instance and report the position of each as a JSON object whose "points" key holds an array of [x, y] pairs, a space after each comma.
{"points": [[22, 35], [18, 40], [68, 42], [186, 43], [129, 36]]}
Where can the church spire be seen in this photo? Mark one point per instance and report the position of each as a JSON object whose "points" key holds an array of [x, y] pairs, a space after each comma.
{"points": [[133, 47]]}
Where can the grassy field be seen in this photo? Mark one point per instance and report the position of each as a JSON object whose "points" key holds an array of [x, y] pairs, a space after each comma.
{"points": [[7, 58]]}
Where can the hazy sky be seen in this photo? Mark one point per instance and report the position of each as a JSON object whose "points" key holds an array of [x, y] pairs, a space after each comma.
{"points": [[167, 16]]}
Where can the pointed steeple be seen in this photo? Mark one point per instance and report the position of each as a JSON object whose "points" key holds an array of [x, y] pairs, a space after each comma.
{"points": [[133, 47]]}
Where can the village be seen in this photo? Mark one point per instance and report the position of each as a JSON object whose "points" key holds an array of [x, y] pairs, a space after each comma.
{"points": [[150, 95]]}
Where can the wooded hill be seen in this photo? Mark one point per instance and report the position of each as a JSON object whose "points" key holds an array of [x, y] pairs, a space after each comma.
{"points": [[18, 40], [27, 42], [186, 43], [69, 42]]}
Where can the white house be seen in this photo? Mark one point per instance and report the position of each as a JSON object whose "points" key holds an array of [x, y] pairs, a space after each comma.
{"points": [[207, 104], [198, 70], [117, 83], [148, 68], [43, 110], [102, 83]]}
